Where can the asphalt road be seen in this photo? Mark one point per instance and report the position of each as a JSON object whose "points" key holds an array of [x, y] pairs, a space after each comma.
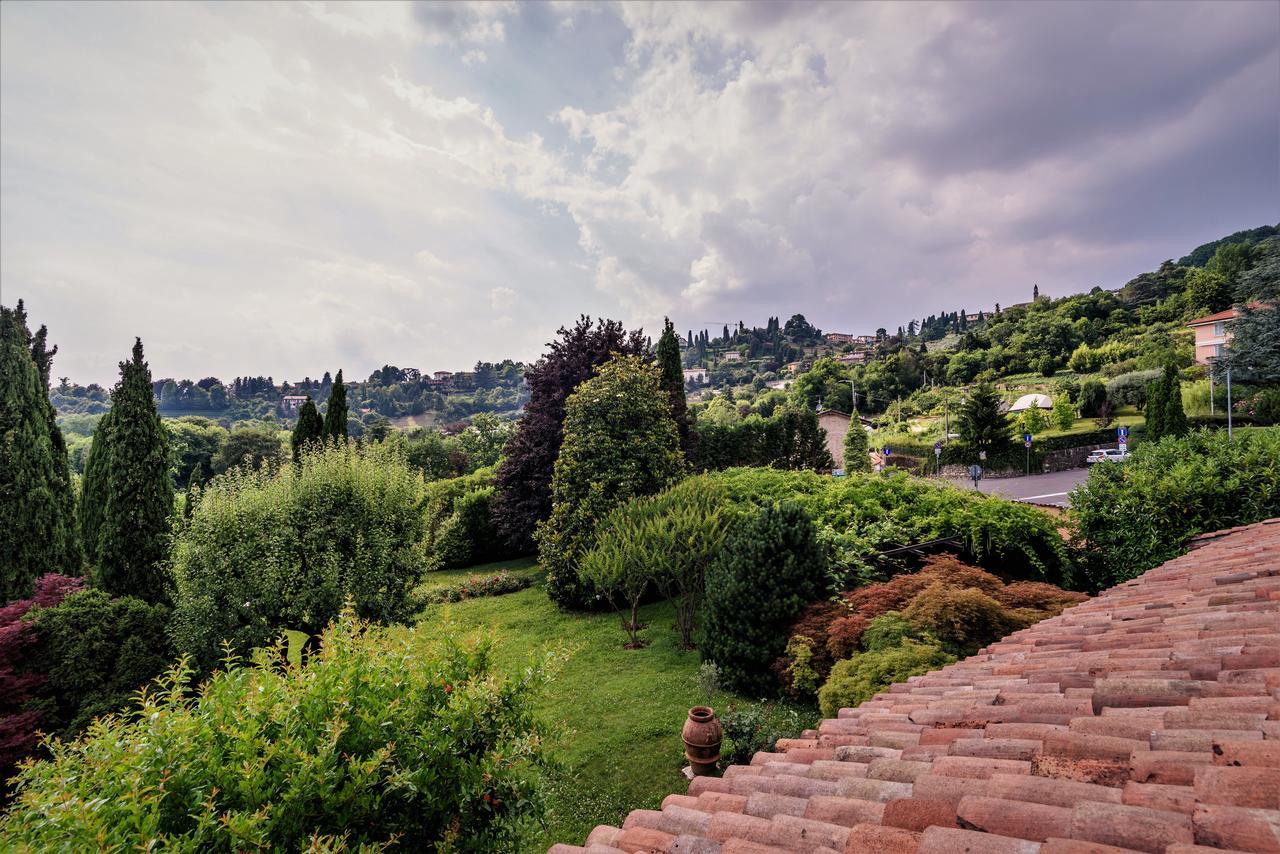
{"points": [[1051, 488]]}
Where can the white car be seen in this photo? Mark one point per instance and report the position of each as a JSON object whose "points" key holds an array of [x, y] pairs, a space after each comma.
{"points": [[1106, 455]]}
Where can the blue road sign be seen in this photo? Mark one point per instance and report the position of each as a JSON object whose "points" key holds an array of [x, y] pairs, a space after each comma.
{"points": [[1122, 433], [887, 452]]}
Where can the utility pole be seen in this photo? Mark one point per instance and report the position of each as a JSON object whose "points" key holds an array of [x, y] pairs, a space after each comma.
{"points": [[1211, 386]]}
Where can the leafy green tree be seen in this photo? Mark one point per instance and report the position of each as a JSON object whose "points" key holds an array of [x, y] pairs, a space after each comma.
{"points": [[282, 548], [772, 566], [310, 428], [856, 456], [826, 383], [619, 441], [668, 354], [1254, 351], [37, 523], [523, 481], [249, 445], [665, 541], [485, 438], [193, 441], [1208, 290], [1064, 414], [335, 416], [131, 547], [981, 425], [1262, 280]]}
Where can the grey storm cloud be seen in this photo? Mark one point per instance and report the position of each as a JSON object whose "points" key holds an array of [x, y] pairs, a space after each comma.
{"points": [[288, 188]]}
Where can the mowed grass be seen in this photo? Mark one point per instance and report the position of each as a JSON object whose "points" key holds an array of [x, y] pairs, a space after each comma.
{"points": [[614, 715], [446, 577]]}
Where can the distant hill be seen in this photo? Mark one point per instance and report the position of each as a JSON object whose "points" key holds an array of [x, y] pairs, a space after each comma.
{"points": [[1200, 256]]}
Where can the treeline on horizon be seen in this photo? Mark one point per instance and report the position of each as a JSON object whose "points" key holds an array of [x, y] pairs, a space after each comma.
{"points": [[1140, 325]]}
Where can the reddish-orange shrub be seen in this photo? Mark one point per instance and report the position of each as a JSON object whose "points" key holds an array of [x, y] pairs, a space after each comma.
{"points": [[962, 606]]}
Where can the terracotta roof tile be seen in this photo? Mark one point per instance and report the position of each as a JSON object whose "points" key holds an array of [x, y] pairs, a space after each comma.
{"points": [[1145, 719]]}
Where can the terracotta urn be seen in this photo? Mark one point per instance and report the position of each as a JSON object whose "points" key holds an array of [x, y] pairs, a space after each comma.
{"points": [[702, 736]]}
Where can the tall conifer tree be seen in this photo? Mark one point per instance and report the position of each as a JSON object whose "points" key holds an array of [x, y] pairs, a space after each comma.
{"points": [[335, 416], [673, 379], [132, 544], [310, 428], [37, 525]]}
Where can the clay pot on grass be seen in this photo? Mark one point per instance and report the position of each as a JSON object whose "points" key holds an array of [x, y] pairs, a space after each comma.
{"points": [[702, 736]]}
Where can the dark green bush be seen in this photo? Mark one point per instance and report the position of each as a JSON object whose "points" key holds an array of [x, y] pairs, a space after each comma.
{"points": [[771, 566], [383, 738], [856, 680], [96, 652], [1128, 518]]}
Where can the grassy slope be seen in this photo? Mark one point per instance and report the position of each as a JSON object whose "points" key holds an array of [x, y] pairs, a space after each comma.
{"points": [[445, 577], [615, 715]]}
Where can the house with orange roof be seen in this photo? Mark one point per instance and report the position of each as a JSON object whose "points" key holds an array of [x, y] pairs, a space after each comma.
{"points": [[1212, 333]]}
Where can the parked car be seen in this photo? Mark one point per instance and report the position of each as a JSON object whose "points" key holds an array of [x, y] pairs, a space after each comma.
{"points": [[1107, 455]]}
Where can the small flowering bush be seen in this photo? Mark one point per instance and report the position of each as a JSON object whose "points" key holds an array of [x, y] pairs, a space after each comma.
{"points": [[476, 586], [382, 738]]}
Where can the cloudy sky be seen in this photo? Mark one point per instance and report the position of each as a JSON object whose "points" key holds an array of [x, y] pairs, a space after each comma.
{"points": [[283, 189]]}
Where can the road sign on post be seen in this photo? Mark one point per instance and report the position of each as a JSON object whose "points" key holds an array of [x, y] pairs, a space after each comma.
{"points": [[937, 456], [975, 472], [1026, 443]]}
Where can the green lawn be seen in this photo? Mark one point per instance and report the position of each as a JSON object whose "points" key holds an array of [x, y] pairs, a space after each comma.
{"points": [[614, 714], [445, 577]]}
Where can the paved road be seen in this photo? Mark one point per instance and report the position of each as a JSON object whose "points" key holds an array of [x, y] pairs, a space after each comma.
{"points": [[1038, 488]]}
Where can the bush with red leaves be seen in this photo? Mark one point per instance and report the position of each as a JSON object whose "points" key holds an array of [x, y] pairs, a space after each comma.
{"points": [[834, 628], [18, 723]]}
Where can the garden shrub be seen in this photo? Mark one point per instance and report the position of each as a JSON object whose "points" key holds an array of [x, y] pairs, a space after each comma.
{"points": [[962, 619], [1127, 519], [856, 680], [888, 630], [877, 615], [753, 727], [381, 739], [20, 714], [772, 564], [459, 519], [478, 586], [859, 516], [467, 536], [265, 551], [95, 652]]}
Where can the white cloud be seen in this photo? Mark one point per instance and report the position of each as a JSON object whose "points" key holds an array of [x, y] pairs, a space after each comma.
{"points": [[341, 181]]}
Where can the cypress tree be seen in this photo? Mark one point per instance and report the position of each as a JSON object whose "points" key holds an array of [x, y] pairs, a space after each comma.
{"points": [[982, 426], [1175, 417], [673, 379], [335, 416], [131, 547], [310, 428], [37, 527], [93, 488], [1155, 407]]}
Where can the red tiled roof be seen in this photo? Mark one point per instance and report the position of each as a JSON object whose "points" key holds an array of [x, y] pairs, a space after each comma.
{"points": [[1228, 314], [1146, 719]]}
